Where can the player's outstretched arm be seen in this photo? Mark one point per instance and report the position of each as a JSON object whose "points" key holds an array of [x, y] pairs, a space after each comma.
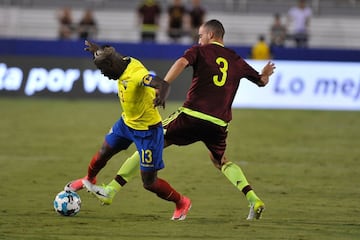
{"points": [[266, 72], [176, 69]]}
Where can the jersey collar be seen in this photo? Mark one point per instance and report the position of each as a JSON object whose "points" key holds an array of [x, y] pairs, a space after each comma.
{"points": [[217, 43]]}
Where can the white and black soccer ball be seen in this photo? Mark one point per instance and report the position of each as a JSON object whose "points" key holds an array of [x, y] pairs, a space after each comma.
{"points": [[67, 203]]}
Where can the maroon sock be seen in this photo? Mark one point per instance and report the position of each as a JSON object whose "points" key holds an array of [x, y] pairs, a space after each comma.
{"points": [[164, 190]]}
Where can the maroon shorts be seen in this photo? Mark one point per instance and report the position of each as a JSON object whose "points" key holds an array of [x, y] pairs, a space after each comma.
{"points": [[183, 129]]}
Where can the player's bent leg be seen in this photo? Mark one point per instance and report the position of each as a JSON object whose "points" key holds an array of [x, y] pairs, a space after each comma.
{"points": [[97, 162], [127, 172], [100, 159], [236, 176], [104, 193]]}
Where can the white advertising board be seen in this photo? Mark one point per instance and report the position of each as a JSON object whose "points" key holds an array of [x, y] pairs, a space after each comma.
{"points": [[294, 85], [304, 85]]}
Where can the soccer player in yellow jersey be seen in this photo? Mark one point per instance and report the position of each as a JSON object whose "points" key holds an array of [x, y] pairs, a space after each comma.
{"points": [[206, 112], [140, 123], [261, 50]]}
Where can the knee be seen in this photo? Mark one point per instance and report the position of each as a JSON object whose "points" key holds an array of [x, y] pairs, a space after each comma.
{"points": [[148, 179], [106, 151], [147, 186], [218, 163]]}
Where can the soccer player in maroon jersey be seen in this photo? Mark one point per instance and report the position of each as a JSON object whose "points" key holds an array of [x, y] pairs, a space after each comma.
{"points": [[216, 78]]}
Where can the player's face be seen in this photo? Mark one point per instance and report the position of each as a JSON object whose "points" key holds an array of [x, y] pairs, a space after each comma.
{"points": [[204, 36], [108, 70]]}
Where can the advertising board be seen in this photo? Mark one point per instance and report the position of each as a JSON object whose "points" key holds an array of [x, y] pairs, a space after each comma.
{"points": [[294, 85]]}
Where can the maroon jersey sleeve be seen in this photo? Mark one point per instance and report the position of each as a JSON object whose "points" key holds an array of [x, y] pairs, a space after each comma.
{"points": [[216, 78]]}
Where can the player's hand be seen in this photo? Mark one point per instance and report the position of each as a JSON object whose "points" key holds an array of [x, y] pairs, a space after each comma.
{"points": [[266, 72], [91, 47], [161, 94]]}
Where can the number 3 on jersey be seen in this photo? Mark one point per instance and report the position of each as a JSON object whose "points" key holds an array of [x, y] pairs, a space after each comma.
{"points": [[223, 67]]}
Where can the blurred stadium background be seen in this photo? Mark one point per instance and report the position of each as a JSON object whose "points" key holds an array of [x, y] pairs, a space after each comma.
{"points": [[34, 62], [334, 23]]}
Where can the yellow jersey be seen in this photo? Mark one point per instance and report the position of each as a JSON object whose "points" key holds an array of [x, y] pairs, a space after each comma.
{"points": [[136, 99]]}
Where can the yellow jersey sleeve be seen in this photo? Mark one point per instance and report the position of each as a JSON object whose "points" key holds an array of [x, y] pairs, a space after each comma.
{"points": [[136, 99]]}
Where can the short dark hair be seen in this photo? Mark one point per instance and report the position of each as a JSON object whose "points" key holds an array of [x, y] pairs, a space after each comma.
{"points": [[216, 27]]}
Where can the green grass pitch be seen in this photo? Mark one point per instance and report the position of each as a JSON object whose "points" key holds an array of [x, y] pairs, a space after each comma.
{"points": [[304, 164]]}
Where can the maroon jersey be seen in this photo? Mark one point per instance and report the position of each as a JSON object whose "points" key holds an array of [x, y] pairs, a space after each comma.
{"points": [[216, 78]]}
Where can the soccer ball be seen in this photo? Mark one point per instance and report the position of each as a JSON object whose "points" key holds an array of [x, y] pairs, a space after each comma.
{"points": [[67, 203]]}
